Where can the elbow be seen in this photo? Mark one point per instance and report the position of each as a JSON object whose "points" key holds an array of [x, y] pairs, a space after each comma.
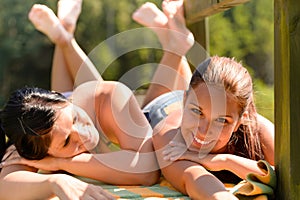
{"points": [[149, 178], [196, 185]]}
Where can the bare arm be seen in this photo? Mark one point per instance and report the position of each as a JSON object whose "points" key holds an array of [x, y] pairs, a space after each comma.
{"points": [[30, 186], [191, 178], [121, 167], [22, 182], [238, 165]]}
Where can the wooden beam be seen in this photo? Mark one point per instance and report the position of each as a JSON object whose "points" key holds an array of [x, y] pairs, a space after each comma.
{"points": [[201, 33], [287, 98], [197, 10]]}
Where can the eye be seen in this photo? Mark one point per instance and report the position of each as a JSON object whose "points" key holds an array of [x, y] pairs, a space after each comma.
{"points": [[196, 111], [67, 141], [222, 120], [75, 118]]}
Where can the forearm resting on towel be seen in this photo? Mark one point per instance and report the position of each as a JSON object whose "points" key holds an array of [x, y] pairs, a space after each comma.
{"points": [[120, 167]]}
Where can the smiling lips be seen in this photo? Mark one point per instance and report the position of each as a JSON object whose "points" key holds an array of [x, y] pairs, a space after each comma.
{"points": [[201, 142]]}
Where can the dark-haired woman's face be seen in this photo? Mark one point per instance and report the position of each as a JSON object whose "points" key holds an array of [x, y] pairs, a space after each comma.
{"points": [[210, 117], [73, 133]]}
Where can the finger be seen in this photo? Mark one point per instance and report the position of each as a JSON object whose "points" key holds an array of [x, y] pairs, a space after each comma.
{"points": [[106, 195], [167, 151], [176, 144], [100, 193], [175, 155], [167, 155]]}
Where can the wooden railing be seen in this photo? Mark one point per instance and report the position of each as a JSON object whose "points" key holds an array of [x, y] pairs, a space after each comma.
{"points": [[199, 9]]}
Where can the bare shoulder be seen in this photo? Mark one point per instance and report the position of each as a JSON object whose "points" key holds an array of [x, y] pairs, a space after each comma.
{"points": [[266, 134], [266, 127], [167, 129]]}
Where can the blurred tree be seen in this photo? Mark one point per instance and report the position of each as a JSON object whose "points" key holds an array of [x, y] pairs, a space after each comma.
{"points": [[246, 32], [119, 48], [26, 54]]}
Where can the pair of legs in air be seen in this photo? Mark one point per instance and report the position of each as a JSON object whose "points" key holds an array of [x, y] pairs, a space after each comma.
{"points": [[72, 67]]}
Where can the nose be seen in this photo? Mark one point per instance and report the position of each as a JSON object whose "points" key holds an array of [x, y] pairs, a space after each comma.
{"points": [[203, 126], [79, 135]]}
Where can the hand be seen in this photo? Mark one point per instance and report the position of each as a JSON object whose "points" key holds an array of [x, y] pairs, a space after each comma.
{"points": [[48, 163], [69, 188], [178, 151], [174, 151]]}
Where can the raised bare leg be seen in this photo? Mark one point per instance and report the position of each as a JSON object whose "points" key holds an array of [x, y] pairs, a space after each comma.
{"points": [[68, 12], [79, 67], [176, 40]]}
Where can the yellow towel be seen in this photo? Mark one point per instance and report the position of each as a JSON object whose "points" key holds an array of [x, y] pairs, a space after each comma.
{"points": [[257, 186]]}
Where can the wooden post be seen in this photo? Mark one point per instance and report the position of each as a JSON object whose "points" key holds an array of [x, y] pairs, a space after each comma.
{"points": [[197, 11], [287, 98], [201, 33]]}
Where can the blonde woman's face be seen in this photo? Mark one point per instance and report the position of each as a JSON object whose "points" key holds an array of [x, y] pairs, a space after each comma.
{"points": [[73, 133], [210, 117]]}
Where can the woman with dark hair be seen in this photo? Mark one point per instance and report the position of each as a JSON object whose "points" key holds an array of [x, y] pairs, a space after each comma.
{"points": [[45, 125], [99, 132]]}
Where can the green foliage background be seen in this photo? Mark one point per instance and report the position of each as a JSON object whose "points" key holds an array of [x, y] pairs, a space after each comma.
{"points": [[244, 32]]}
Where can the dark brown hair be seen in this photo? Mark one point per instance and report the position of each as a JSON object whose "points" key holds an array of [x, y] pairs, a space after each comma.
{"points": [[27, 119]]}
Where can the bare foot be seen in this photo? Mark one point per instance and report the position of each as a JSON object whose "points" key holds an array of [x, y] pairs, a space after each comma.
{"points": [[68, 12], [173, 7], [149, 15], [46, 22], [179, 38], [169, 25]]}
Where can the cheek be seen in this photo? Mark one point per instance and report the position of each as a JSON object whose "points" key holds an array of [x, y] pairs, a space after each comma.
{"points": [[226, 135], [59, 154], [189, 120]]}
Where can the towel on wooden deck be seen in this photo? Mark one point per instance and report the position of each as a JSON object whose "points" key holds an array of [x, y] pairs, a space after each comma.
{"points": [[162, 191], [258, 187], [255, 187]]}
